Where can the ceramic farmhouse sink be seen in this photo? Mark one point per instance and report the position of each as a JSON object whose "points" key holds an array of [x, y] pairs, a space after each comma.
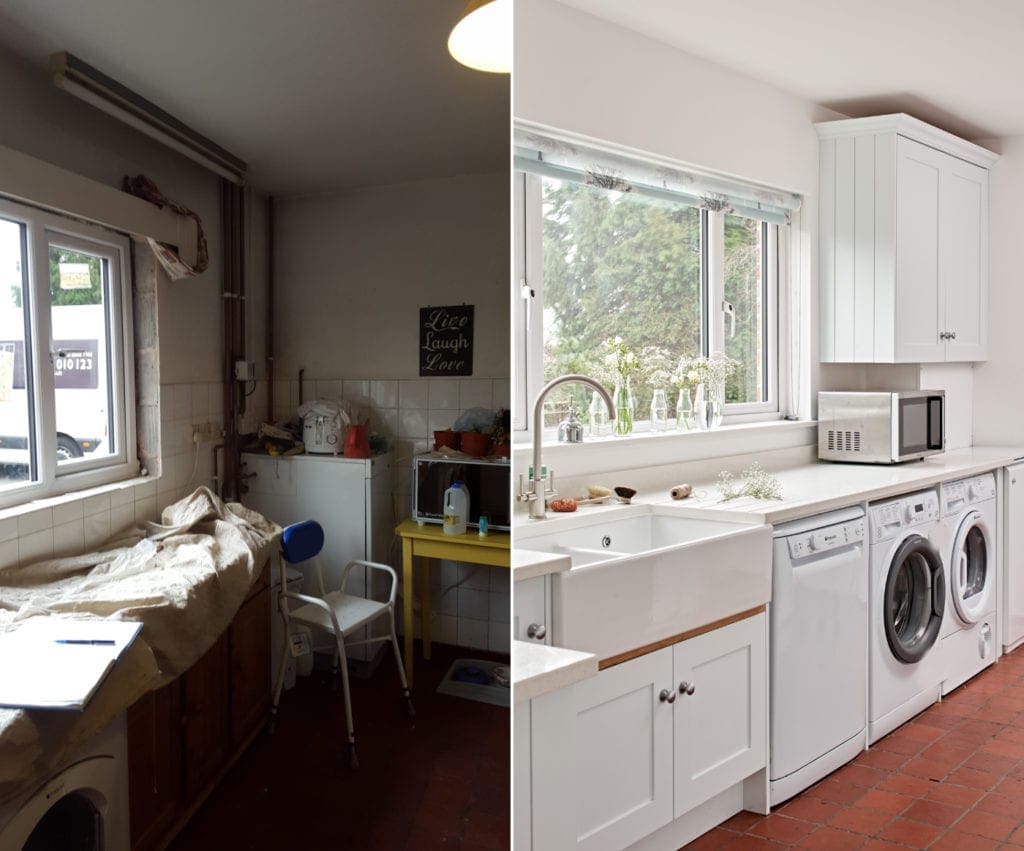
{"points": [[641, 574]]}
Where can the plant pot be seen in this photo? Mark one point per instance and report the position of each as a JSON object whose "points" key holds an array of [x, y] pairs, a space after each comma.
{"points": [[502, 450], [476, 444], [446, 438]]}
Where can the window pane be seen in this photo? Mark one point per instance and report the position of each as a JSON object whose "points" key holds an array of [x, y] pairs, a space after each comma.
{"points": [[79, 294], [17, 438], [617, 265], [744, 290]]}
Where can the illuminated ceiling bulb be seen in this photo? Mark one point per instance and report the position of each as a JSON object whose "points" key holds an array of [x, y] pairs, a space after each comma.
{"points": [[482, 39]]}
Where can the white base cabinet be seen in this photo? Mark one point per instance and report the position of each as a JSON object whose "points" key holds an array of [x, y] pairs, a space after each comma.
{"points": [[1013, 558], [531, 611], [649, 741], [903, 243]]}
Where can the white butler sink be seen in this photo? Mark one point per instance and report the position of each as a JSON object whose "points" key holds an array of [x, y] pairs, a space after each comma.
{"points": [[642, 574]]}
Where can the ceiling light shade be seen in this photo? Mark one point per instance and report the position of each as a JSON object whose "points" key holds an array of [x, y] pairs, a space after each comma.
{"points": [[482, 39]]}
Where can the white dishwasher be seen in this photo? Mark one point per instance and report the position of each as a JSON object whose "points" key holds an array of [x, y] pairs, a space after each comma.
{"points": [[819, 649]]}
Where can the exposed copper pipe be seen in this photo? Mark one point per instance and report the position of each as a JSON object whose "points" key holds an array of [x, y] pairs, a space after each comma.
{"points": [[270, 309]]}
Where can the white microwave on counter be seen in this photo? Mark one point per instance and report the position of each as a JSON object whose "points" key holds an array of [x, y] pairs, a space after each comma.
{"points": [[486, 479]]}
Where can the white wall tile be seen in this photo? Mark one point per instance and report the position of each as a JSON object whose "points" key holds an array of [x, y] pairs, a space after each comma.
{"points": [[356, 390], [9, 529], [120, 496], [384, 394], [122, 517], [200, 402], [445, 604], [69, 538], [473, 634], [413, 393], [145, 509], [98, 504], [412, 424], [475, 393], [444, 629], [498, 638], [34, 521], [443, 393], [473, 604], [501, 394], [65, 512], [478, 577], [440, 421], [500, 607], [97, 528], [9, 553], [35, 546], [182, 401]]}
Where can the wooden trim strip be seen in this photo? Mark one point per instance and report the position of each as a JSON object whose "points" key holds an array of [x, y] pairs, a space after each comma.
{"points": [[618, 659]]}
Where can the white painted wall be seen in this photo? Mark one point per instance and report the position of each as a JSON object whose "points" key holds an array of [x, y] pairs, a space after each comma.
{"points": [[998, 401]]}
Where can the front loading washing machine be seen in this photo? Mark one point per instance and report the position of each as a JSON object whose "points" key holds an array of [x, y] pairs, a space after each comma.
{"points": [[968, 539], [82, 805], [907, 600]]}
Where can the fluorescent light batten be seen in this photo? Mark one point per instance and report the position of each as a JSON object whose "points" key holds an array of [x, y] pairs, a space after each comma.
{"points": [[482, 39]]}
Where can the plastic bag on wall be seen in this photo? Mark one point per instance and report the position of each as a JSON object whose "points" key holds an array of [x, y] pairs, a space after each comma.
{"points": [[176, 268]]}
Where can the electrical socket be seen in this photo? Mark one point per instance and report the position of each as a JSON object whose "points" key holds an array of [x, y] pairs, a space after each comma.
{"points": [[205, 432]]}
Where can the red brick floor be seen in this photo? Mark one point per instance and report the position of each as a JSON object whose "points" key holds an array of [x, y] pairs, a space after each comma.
{"points": [[442, 781], [953, 778]]}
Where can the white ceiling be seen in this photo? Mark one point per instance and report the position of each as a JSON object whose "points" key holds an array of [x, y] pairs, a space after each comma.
{"points": [[314, 94], [954, 63]]}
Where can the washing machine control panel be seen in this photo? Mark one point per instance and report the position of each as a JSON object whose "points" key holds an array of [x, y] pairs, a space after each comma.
{"points": [[829, 538], [889, 518]]}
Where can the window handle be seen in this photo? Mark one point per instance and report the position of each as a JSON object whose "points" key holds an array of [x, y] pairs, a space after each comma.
{"points": [[730, 311], [527, 294]]}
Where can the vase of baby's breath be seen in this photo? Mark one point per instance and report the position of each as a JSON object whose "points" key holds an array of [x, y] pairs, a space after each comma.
{"points": [[701, 383], [623, 362]]}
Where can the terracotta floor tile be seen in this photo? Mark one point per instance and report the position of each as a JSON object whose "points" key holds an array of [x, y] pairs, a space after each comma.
{"points": [[713, 840], [994, 763], [988, 825], [886, 802], [933, 812], [1000, 805], [859, 820], [912, 833], [831, 839], [959, 796], [954, 840], [742, 821], [836, 791], [860, 775], [746, 842], [974, 779], [811, 809], [906, 784], [883, 760], [928, 769], [881, 845], [1017, 837], [783, 828]]}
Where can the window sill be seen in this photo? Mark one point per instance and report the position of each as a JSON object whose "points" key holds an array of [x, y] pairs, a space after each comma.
{"points": [[136, 487], [652, 449]]}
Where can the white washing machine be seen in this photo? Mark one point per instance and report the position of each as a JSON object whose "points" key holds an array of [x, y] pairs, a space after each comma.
{"points": [[907, 600], [83, 805], [968, 544], [818, 620]]}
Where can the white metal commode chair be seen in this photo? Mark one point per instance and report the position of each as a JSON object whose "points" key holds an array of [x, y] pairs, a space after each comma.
{"points": [[336, 612]]}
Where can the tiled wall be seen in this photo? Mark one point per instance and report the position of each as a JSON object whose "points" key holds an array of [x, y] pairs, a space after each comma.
{"points": [[183, 407], [474, 614]]}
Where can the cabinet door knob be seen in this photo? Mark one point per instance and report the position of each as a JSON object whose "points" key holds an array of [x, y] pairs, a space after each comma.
{"points": [[536, 630], [687, 688], [952, 335], [667, 696]]}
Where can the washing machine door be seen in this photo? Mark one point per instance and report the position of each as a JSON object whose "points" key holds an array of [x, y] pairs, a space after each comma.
{"points": [[915, 598], [972, 569]]}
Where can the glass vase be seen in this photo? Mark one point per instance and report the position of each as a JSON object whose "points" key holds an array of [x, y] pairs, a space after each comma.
{"points": [[599, 425], [659, 411], [625, 407], [684, 410], [702, 410], [716, 398]]}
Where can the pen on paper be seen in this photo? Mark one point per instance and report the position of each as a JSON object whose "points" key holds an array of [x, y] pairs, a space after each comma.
{"points": [[109, 642]]}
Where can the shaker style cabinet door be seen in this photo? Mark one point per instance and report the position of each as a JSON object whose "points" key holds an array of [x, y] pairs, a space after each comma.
{"points": [[532, 610], [964, 256], [920, 301], [622, 753], [720, 710]]}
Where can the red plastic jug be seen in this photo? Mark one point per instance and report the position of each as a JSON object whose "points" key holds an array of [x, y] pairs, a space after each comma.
{"points": [[357, 441]]}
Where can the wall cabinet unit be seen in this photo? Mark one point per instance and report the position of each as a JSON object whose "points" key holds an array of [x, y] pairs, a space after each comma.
{"points": [[182, 737], [651, 739], [903, 261]]}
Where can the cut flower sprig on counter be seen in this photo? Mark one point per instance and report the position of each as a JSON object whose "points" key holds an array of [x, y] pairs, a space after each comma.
{"points": [[758, 483]]}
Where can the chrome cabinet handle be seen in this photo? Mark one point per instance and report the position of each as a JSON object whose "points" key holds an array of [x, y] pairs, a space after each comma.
{"points": [[952, 335], [536, 630], [687, 688], [667, 696]]}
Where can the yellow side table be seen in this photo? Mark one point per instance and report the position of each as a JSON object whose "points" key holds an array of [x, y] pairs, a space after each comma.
{"points": [[429, 541]]}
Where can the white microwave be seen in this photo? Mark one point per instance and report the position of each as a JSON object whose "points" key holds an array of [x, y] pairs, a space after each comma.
{"points": [[881, 428], [486, 479]]}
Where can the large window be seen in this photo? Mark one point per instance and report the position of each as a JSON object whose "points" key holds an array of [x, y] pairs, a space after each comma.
{"points": [[671, 279], [66, 366]]}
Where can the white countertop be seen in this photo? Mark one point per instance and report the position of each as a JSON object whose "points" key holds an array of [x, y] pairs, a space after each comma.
{"points": [[538, 669], [526, 564]]}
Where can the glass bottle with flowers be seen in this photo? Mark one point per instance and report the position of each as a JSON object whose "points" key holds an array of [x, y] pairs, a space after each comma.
{"points": [[657, 369], [701, 383], [623, 362]]}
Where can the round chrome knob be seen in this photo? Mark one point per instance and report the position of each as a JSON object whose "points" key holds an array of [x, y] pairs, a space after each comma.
{"points": [[536, 630], [687, 688], [667, 696]]}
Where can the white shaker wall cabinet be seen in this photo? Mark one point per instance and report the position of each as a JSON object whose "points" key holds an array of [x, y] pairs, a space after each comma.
{"points": [[903, 261]]}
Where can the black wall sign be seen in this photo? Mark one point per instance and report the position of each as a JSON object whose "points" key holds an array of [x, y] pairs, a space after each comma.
{"points": [[446, 340]]}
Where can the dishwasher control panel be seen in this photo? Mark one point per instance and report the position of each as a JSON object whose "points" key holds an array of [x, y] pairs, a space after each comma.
{"points": [[823, 540]]}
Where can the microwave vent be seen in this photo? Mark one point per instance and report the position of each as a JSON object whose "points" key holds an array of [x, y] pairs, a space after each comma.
{"points": [[843, 441]]}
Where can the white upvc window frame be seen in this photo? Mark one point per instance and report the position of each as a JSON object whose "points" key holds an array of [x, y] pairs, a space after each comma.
{"points": [[528, 311], [41, 230]]}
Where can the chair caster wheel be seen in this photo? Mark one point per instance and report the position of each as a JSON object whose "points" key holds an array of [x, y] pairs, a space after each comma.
{"points": [[353, 760], [410, 710]]}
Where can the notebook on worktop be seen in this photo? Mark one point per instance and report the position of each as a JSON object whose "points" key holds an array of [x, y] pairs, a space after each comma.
{"points": [[52, 663]]}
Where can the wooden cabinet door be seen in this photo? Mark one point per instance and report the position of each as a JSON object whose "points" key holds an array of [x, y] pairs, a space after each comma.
{"points": [[205, 720], [721, 729], [964, 204], [621, 753], [154, 764], [250, 667], [920, 299]]}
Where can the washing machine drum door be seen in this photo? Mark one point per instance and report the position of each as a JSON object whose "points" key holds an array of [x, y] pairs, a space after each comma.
{"points": [[971, 569], [915, 598]]}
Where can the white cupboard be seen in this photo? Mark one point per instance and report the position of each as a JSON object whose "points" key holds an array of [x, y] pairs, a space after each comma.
{"points": [[531, 610], [903, 260], [648, 741], [1013, 557]]}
